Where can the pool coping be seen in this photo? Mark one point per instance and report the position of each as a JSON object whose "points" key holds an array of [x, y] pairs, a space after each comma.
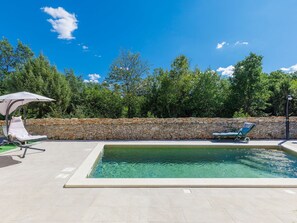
{"points": [[79, 178]]}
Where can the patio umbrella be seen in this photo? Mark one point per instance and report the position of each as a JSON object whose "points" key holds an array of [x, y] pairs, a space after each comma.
{"points": [[10, 102]]}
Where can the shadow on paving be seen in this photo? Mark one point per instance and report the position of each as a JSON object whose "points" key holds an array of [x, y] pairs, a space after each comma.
{"points": [[228, 141], [7, 161]]}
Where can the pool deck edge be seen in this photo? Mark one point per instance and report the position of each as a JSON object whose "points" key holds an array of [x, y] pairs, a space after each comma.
{"points": [[79, 178]]}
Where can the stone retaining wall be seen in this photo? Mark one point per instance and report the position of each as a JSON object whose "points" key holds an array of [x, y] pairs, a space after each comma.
{"points": [[157, 129]]}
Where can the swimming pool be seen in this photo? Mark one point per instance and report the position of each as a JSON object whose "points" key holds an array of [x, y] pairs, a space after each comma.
{"points": [[184, 162], [187, 164]]}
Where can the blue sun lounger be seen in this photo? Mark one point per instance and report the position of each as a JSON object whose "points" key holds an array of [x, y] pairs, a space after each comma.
{"points": [[240, 135]]}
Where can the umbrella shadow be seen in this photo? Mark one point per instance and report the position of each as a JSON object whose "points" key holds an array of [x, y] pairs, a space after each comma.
{"points": [[7, 161]]}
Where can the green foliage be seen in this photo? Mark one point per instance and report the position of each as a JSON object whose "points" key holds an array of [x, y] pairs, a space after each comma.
{"points": [[12, 59], [101, 102], [130, 91], [6, 57], [240, 114], [38, 76], [180, 66], [77, 88], [22, 55], [208, 95], [182, 92], [248, 89], [150, 115], [279, 87], [126, 72], [168, 92]]}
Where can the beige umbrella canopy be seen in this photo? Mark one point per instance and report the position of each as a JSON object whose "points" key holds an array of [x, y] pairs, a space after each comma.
{"points": [[10, 102]]}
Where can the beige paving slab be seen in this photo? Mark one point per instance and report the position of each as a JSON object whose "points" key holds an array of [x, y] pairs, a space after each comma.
{"points": [[253, 215], [30, 192], [287, 217], [196, 214]]}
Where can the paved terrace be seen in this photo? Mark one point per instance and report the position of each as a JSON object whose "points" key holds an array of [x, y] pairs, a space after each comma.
{"points": [[31, 190]]}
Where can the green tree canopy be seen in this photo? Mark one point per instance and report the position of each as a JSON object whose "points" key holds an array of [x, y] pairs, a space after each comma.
{"points": [[127, 71], [249, 91], [169, 93], [38, 76], [6, 57], [101, 102], [12, 59], [77, 88], [208, 94], [131, 91], [279, 87]]}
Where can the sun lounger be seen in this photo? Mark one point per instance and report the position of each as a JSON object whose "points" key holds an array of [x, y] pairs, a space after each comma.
{"points": [[240, 135], [18, 135]]}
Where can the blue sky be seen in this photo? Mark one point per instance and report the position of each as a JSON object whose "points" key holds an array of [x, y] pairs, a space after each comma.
{"points": [[211, 33]]}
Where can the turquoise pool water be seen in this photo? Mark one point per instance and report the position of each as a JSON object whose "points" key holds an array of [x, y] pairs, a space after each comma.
{"points": [[154, 162]]}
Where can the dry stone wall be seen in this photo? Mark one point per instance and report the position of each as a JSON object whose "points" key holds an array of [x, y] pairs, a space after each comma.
{"points": [[157, 129]]}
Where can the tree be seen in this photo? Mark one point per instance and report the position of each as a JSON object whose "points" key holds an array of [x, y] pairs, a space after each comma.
{"points": [[127, 71], [100, 101], [180, 66], [175, 87], [248, 89], [22, 55], [182, 80], [279, 87], [208, 94], [12, 59], [170, 90], [38, 76], [77, 87], [6, 58], [157, 99]]}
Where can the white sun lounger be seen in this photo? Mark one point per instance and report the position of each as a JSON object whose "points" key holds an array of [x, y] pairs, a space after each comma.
{"points": [[18, 135]]}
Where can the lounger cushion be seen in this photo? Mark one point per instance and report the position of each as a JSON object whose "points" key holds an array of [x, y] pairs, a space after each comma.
{"points": [[225, 133], [17, 128], [17, 131]]}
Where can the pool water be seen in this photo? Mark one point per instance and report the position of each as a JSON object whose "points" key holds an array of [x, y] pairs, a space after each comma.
{"points": [[172, 162]]}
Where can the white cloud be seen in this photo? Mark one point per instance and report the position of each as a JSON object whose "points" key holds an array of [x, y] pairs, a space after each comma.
{"points": [[289, 70], [241, 43], [63, 22], [237, 43], [221, 45], [96, 55], [93, 78], [83, 46], [226, 71]]}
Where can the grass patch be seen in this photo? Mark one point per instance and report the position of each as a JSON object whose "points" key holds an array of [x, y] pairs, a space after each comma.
{"points": [[6, 148]]}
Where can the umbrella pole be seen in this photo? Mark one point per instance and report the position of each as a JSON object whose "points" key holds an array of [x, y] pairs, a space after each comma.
{"points": [[25, 115], [6, 121]]}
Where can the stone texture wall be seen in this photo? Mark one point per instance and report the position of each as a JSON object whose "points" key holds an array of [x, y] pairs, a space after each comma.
{"points": [[157, 129]]}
